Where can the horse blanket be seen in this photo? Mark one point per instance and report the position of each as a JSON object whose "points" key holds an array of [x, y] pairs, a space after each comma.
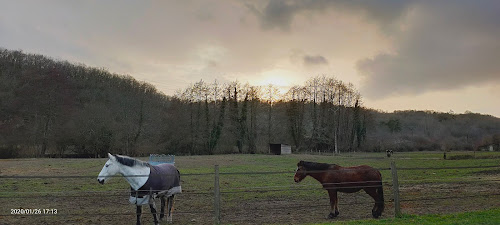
{"points": [[163, 180]]}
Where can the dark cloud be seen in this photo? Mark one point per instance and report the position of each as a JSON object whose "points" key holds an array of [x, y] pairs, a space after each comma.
{"points": [[314, 60], [280, 13], [276, 14], [438, 45], [447, 46], [211, 63]]}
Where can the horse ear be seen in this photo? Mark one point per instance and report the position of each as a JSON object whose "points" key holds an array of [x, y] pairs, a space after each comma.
{"points": [[110, 156]]}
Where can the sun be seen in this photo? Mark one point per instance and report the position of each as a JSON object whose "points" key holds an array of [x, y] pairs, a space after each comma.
{"points": [[280, 78], [276, 81]]}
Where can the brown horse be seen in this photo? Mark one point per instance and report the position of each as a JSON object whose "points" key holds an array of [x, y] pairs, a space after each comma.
{"points": [[335, 178]]}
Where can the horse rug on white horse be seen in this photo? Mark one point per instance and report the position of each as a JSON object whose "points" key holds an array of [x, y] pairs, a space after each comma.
{"points": [[163, 180]]}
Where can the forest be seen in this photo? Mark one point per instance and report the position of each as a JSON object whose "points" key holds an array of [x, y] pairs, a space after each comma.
{"points": [[54, 108]]}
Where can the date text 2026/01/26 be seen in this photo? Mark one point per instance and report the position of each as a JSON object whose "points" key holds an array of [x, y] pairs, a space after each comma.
{"points": [[33, 211]]}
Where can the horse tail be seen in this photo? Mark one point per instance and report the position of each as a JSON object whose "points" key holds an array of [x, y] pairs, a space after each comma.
{"points": [[179, 176]]}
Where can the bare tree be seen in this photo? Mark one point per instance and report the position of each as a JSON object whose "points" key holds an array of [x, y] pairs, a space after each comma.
{"points": [[272, 95]]}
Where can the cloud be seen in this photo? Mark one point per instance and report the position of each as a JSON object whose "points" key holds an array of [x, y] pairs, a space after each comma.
{"points": [[443, 46], [436, 45], [387, 47], [279, 14], [276, 14], [314, 60]]}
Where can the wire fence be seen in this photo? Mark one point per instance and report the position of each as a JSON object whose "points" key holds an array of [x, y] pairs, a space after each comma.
{"points": [[223, 214]]}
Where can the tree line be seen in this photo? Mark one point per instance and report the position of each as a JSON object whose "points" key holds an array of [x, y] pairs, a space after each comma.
{"points": [[323, 114], [51, 108]]}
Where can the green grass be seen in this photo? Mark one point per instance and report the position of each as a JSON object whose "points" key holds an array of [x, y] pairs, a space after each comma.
{"points": [[248, 164], [480, 217], [241, 190]]}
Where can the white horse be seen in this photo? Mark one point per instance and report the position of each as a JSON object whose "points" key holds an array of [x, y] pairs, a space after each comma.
{"points": [[146, 183]]}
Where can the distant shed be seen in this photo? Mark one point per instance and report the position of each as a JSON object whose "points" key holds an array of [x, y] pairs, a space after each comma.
{"points": [[280, 149]]}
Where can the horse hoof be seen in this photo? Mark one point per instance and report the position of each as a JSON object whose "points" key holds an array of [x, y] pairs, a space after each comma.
{"points": [[333, 215], [376, 215]]}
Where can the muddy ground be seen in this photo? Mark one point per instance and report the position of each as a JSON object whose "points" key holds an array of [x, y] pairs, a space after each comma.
{"points": [[77, 203]]}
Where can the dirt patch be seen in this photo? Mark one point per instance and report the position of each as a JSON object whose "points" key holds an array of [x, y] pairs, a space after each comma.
{"points": [[292, 211], [444, 198], [84, 201]]}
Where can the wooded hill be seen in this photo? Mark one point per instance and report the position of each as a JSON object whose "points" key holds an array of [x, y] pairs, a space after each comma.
{"points": [[50, 107]]}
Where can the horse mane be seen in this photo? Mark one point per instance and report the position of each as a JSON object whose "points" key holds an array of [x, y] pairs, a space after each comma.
{"points": [[314, 165], [128, 161]]}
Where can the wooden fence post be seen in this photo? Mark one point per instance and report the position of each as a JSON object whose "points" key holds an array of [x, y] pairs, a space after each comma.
{"points": [[216, 196], [395, 189]]}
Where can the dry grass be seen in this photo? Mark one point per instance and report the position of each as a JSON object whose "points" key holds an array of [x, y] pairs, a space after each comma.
{"points": [[293, 204]]}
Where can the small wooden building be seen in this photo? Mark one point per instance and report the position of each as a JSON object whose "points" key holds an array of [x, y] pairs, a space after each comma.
{"points": [[280, 149]]}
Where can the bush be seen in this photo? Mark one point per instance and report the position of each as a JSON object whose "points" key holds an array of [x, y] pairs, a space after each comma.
{"points": [[7, 152]]}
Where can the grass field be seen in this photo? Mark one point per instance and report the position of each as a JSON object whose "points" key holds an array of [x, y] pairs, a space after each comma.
{"points": [[484, 217], [250, 197]]}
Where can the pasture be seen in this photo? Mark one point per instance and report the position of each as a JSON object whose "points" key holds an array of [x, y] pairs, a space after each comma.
{"points": [[255, 189]]}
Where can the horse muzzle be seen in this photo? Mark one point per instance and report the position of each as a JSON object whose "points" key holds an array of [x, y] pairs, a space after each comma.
{"points": [[100, 181]]}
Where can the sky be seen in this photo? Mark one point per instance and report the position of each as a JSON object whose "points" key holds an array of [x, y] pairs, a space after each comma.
{"points": [[400, 54]]}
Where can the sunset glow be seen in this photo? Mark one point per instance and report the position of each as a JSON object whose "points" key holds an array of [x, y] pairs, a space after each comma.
{"points": [[276, 81], [392, 53], [279, 78]]}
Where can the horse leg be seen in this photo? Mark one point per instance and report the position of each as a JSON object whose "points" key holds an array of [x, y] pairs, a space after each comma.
{"points": [[379, 202], [138, 213], [170, 208], [152, 206], [162, 210], [334, 212], [337, 205]]}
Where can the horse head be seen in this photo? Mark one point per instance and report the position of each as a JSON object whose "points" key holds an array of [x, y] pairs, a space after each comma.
{"points": [[111, 168], [300, 173]]}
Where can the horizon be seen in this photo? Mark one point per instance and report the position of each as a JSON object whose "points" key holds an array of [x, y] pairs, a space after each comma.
{"points": [[409, 55]]}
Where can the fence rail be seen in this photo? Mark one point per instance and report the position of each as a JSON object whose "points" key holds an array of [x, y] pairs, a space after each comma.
{"points": [[245, 173], [217, 191]]}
